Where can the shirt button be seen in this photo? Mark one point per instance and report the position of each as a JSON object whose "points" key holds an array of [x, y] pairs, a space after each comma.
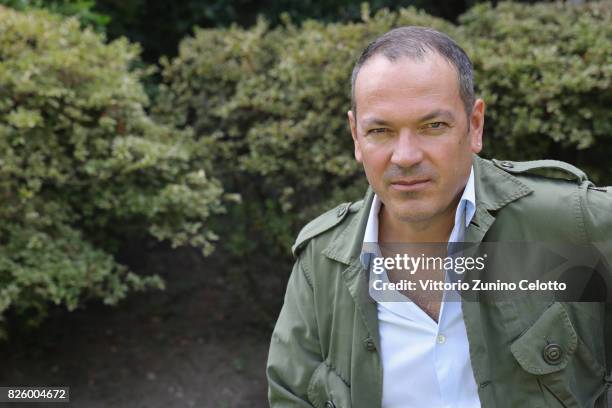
{"points": [[369, 344], [441, 339]]}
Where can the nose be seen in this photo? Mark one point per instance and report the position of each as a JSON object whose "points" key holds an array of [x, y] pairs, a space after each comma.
{"points": [[408, 151]]}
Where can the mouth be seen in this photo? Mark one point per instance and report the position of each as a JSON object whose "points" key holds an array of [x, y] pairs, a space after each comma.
{"points": [[410, 185]]}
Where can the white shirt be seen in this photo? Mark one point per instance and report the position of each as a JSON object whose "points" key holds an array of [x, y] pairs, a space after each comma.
{"points": [[426, 364]]}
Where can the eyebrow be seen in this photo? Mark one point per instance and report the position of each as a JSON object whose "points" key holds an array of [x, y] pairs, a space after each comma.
{"points": [[437, 113], [443, 113], [375, 121]]}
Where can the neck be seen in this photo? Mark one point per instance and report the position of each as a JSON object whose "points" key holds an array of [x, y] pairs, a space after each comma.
{"points": [[437, 229]]}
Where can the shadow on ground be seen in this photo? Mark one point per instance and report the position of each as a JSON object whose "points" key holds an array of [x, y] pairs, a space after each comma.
{"points": [[192, 345]]}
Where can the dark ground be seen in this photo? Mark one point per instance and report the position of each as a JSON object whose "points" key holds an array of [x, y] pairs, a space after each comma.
{"points": [[192, 345]]}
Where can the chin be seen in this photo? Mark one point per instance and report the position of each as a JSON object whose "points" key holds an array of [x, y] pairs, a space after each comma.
{"points": [[412, 214]]}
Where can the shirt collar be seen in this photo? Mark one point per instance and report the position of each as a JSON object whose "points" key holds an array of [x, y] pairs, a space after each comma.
{"points": [[467, 204]]}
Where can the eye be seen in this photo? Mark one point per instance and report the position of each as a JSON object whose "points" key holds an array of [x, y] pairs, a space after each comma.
{"points": [[377, 131], [435, 125]]}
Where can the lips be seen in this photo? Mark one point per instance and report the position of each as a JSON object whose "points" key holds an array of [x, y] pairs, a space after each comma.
{"points": [[410, 184]]}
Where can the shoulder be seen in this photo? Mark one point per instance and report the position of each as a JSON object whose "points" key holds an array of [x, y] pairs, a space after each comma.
{"points": [[560, 189], [540, 183], [548, 181], [557, 173], [543, 170], [325, 223]]}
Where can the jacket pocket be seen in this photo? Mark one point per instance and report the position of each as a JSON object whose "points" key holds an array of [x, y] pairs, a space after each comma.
{"points": [[563, 366], [326, 387]]}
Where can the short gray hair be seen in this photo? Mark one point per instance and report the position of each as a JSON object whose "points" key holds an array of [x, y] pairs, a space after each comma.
{"points": [[415, 42]]}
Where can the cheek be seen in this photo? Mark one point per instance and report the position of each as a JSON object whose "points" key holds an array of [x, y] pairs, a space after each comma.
{"points": [[456, 168], [451, 161], [375, 160]]}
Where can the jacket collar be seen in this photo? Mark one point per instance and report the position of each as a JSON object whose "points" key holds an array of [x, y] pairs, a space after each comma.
{"points": [[495, 189]]}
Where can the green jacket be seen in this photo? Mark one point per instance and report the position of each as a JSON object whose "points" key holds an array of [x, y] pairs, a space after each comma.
{"points": [[324, 350]]}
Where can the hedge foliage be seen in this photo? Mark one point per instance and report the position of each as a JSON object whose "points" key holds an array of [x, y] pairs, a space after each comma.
{"points": [[270, 104], [545, 71], [83, 167], [261, 111]]}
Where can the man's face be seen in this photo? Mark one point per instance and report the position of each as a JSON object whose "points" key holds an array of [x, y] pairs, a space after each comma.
{"points": [[411, 134]]}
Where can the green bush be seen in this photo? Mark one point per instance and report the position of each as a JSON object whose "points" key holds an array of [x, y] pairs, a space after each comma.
{"points": [[84, 168], [545, 71], [270, 105]]}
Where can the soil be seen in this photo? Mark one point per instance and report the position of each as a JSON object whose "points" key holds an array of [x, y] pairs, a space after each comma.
{"points": [[191, 345]]}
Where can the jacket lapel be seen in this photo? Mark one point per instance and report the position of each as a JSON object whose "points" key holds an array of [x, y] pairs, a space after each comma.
{"points": [[346, 248], [494, 189]]}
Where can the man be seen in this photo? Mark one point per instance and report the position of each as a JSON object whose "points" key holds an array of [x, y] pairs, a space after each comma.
{"points": [[417, 128]]}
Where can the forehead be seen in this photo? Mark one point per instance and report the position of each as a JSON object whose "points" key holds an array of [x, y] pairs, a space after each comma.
{"points": [[407, 86]]}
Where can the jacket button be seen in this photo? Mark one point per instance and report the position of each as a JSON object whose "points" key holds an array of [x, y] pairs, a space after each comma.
{"points": [[506, 164], [552, 354], [329, 404], [342, 210], [369, 344]]}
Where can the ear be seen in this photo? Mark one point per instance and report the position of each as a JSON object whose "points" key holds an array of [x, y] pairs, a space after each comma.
{"points": [[477, 125], [353, 125]]}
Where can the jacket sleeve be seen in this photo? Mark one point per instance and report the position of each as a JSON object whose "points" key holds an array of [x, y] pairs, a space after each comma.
{"points": [[598, 222], [294, 350]]}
